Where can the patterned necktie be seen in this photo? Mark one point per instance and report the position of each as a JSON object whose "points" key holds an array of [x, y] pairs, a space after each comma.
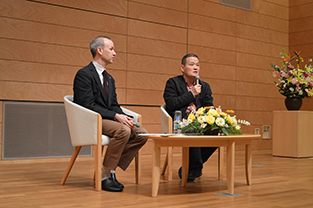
{"points": [[105, 84]]}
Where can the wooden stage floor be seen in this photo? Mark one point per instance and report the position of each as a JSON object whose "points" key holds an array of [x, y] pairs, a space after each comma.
{"points": [[276, 182]]}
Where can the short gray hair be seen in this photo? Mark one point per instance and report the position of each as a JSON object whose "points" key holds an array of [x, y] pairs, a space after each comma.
{"points": [[96, 42]]}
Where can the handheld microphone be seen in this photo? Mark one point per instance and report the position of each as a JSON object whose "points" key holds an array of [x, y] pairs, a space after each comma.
{"points": [[197, 80], [137, 124]]}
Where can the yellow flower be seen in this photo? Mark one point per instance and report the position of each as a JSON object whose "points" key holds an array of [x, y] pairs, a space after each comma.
{"points": [[223, 114], [212, 112], [230, 111], [210, 120], [201, 119], [237, 128], [200, 111], [191, 118], [229, 119]]}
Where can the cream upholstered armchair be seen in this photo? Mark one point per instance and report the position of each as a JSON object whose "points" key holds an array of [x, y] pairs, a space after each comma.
{"points": [[167, 126], [85, 128]]}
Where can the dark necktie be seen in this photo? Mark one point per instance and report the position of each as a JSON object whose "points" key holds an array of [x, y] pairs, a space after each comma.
{"points": [[105, 84]]}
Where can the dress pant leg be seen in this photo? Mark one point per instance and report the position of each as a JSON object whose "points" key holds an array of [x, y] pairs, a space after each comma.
{"points": [[134, 143], [120, 135], [198, 156], [195, 158], [206, 153]]}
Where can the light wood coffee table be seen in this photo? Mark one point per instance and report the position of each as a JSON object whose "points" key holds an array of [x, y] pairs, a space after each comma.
{"points": [[201, 141]]}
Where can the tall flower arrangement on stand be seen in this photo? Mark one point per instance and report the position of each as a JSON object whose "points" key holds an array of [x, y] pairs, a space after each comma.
{"points": [[209, 119], [294, 81]]}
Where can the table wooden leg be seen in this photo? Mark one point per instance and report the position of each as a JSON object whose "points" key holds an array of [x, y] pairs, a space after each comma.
{"points": [[221, 152], [230, 172], [185, 165], [156, 158], [170, 164], [248, 164]]}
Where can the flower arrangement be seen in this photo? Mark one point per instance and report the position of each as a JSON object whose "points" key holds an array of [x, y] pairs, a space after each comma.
{"points": [[208, 118], [292, 80]]}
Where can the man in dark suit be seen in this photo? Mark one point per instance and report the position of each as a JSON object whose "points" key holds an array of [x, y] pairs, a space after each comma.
{"points": [[94, 89], [182, 93]]}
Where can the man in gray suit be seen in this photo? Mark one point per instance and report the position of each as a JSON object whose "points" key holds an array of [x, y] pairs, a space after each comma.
{"points": [[94, 89]]}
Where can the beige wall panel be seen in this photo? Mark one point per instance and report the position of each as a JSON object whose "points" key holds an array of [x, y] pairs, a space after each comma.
{"points": [[150, 115], [211, 40], [52, 34], [257, 61], [153, 128], [307, 104], [44, 13], [116, 7], [258, 48], [212, 55], [263, 21], [303, 10], [155, 48], [212, 9], [262, 35], [217, 71], [225, 87], [256, 90], [156, 31], [33, 92], [299, 25], [157, 65], [121, 95], [279, 2], [145, 97], [256, 118], [300, 38], [258, 104], [293, 3], [36, 72], [157, 14], [225, 101], [176, 5], [146, 81], [213, 25], [274, 10], [56, 54], [254, 75], [119, 77]]}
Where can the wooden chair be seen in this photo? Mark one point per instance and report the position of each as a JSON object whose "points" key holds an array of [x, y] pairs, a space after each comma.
{"points": [[85, 128], [167, 126]]}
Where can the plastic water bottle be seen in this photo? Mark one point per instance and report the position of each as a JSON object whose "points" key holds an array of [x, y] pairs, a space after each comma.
{"points": [[177, 121]]}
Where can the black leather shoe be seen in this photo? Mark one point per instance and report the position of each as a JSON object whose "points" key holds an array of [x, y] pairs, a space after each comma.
{"points": [[108, 185], [192, 174], [113, 176]]}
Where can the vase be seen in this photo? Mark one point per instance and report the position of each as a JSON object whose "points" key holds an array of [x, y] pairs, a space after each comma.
{"points": [[293, 103]]}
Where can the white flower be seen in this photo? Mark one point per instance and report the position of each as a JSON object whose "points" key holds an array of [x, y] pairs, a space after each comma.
{"points": [[220, 121], [291, 89], [201, 119], [203, 125]]}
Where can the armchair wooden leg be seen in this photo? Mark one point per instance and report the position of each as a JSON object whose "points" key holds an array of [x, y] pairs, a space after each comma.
{"points": [[138, 167], [71, 163]]}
